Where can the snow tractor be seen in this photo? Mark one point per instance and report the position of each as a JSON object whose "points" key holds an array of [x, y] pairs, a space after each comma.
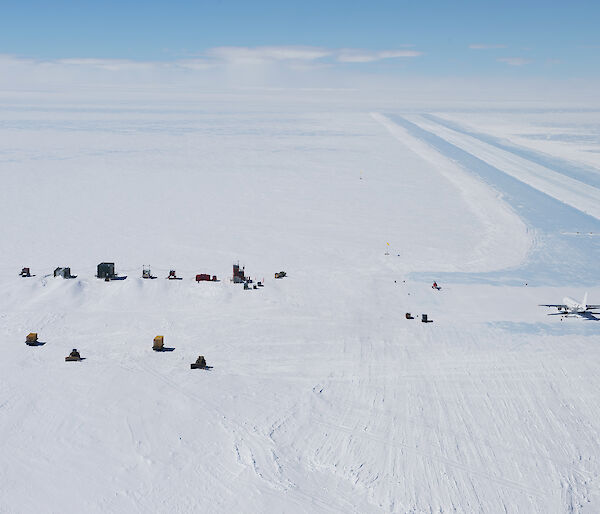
{"points": [[199, 364], [31, 339], [173, 276], [147, 273], [73, 356]]}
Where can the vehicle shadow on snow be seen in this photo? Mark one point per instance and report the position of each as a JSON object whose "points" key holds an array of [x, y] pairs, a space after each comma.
{"points": [[36, 343]]}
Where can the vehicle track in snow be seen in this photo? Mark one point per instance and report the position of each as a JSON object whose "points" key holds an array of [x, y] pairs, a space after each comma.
{"points": [[577, 171], [549, 203], [580, 195]]}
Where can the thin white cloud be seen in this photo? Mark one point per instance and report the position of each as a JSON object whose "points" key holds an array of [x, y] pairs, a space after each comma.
{"points": [[295, 58], [194, 64], [482, 46], [249, 55], [108, 64], [514, 61], [248, 66], [111, 80], [118, 65], [349, 55], [261, 54]]}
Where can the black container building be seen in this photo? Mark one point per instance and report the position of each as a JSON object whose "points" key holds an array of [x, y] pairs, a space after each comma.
{"points": [[106, 270]]}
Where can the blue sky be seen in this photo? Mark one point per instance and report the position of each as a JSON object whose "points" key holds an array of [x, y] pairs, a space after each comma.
{"points": [[469, 38]]}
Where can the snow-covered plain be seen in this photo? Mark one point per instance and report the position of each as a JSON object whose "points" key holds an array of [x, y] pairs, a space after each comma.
{"points": [[322, 396]]}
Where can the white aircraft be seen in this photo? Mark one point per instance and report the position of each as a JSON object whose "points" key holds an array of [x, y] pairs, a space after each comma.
{"points": [[572, 307]]}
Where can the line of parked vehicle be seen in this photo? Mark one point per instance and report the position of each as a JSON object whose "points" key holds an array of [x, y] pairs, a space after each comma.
{"points": [[106, 271]]}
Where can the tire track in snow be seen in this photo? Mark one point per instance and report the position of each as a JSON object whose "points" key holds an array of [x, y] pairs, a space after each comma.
{"points": [[254, 451], [496, 216], [546, 216], [580, 195], [577, 171], [511, 484]]}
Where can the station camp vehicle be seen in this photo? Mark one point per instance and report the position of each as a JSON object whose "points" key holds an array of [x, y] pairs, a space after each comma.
{"points": [[64, 273], [32, 339], [106, 271], [199, 364], [173, 275], [205, 277], [147, 273], [73, 356], [159, 344]]}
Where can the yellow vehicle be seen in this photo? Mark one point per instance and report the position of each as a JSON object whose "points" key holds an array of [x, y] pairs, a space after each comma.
{"points": [[159, 343]]}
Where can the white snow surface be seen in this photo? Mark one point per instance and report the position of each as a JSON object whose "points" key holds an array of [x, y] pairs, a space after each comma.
{"points": [[322, 397], [574, 135], [575, 193]]}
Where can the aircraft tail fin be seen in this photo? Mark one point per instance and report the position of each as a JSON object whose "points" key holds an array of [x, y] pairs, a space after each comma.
{"points": [[584, 302]]}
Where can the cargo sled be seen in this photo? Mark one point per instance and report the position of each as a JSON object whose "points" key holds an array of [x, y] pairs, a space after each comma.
{"points": [[159, 345]]}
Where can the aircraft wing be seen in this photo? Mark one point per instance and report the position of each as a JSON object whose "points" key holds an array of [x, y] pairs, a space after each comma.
{"points": [[592, 307], [552, 305]]}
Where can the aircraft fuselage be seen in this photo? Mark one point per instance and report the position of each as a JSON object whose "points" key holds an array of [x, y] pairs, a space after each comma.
{"points": [[573, 305]]}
